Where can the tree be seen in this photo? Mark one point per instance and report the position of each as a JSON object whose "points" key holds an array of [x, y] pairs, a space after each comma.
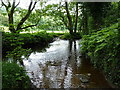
{"points": [[97, 10], [84, 22], [76, 19], [70, 23], [10, 8], [66, 12], [72, 19]]}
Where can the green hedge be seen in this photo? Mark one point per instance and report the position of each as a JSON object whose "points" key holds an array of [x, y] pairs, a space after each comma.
{"points": [[14, 76], [103, 47]]}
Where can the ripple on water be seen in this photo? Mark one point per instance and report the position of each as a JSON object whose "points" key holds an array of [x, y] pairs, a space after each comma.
{"points": [[61, 67]]}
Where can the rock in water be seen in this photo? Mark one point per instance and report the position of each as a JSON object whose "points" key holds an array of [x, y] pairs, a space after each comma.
{"points": [[80, 56], [83, 78]]}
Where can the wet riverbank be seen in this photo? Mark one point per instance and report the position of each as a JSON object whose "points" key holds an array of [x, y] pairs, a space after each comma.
{"points": [[62, 66]]}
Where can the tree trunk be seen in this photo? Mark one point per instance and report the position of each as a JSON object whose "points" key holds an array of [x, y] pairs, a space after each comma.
{"points": [[30, 9], [11, 25], [97, 23], [10, 8], [70, 27], [76, 19], [23, 20], [85, 21]]}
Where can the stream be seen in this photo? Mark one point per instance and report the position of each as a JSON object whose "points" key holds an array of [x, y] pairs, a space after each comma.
{"points": [[62, 66]]}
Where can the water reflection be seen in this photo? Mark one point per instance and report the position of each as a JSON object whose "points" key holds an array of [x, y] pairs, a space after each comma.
{"points": [[61, 67]]}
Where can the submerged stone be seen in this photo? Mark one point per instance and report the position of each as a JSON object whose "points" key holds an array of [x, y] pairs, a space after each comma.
{"points": [[83, 78]]}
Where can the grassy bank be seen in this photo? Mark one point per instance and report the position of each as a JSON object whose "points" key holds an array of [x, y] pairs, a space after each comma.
{"points": [[103, 47]]}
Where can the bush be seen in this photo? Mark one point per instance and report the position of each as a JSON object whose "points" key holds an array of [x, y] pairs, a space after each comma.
{"points": [[14, 76], [70, 37], [103, 47], [16, 54], [12, 40], [56, 34]]}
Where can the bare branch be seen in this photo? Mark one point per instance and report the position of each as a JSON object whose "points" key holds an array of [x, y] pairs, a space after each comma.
{"points": [[6, 6], [30, 6], [9, 4], [13, 6], [17, 4], [34, 5], [3, 3]]}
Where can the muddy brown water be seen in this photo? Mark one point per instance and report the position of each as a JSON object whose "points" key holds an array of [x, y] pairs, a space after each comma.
{"points": [[62, 66]]}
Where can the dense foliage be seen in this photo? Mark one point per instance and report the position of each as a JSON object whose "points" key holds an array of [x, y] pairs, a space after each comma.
{"points": [[14, 76], [103, 47], [12, 40], [67, 36], [17, 45], [96, 22]]}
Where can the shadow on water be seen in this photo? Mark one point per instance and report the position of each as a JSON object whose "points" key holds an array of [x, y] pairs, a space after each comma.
{"points": [[62, 66]]}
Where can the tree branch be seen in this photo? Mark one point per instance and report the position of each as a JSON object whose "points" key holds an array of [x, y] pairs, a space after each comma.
{"points": [[6, 6], [63, 19], [13, 6], [70, 27], [17, 4], [9, 4], [34, 5], [29, 8], [29, 26], [26, 16], [3, 3], [76, 17]]}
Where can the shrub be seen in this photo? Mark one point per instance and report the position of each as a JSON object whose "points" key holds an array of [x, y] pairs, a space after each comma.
{"points": [[14, 76], [16, 54], [103, 47], [12, 40], [70, 37], [56, 34]]}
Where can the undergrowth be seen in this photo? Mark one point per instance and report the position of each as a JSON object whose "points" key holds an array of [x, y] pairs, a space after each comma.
{"points": [[67, 36], [14, 76], [103, 47]]}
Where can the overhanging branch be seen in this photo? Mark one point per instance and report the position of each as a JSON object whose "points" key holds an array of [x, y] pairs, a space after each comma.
{"points": [[29, 26]]}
